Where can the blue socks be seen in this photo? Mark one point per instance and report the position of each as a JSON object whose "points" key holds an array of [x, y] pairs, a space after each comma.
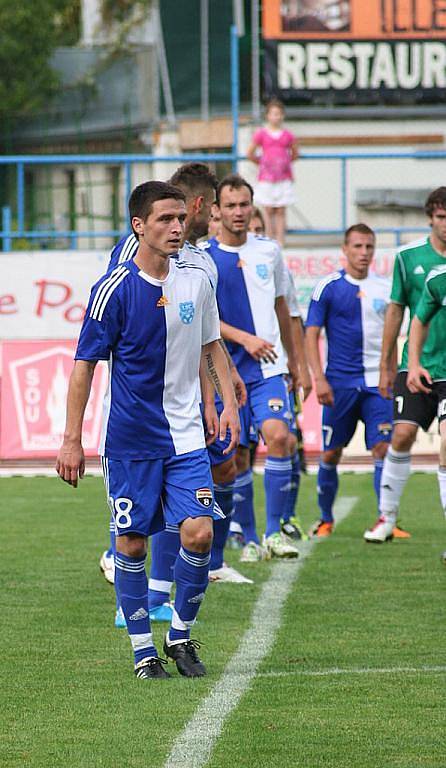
{"points": [[164, 550], [277, 481], [327, 488], [131, 589], [294, 488], [244, 506], [191, 574], [379, 463], [224, 493]]}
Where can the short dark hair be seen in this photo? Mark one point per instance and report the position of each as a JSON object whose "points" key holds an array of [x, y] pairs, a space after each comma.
{"points": [[234, 181], [436, 199], [363, 229], [144, 195], [194, 178]]}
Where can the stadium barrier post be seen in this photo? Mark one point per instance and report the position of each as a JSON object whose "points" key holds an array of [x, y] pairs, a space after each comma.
{"points": [[6, 228], [235, 95]]}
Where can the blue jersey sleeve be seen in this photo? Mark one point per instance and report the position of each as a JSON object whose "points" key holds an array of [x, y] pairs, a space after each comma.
{"points": [[318, 309], [101, 326]]}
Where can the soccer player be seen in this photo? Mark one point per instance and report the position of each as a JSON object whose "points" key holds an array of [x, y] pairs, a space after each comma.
{"points": [[431, 381], [413, 263], [198, 184], [350, 304], [155, 320], [254, 317]]}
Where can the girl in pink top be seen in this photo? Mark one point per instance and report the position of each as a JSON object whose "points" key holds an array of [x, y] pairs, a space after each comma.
{"points": [[273, 149]]}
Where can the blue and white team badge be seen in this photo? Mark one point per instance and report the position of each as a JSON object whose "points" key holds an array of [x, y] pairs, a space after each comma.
{"points": [[187, 311], [262, 271], [380, 306]]}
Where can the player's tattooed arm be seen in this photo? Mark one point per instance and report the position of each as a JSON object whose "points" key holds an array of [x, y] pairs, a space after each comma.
{"points": [[237, 381], [70, 462], [218, 372]]}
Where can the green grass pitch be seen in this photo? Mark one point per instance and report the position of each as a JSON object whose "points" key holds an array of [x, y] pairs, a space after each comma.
{"points": [[356, 678]]}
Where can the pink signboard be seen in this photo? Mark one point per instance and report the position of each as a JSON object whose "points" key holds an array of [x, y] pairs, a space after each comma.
{"points": [[35, 377]]}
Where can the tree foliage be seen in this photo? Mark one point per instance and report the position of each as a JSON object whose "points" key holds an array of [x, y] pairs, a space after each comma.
{"points": [[30, 33]]}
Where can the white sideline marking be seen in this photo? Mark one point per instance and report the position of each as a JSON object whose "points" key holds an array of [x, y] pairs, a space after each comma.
{"points": [[193, 747], [356, 671]]}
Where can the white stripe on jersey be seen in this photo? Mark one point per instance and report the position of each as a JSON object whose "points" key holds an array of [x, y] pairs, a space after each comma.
{"points": [[103, 289], [106, 406], [129, 249], [435, 272], [322, 284], [99, 311]]}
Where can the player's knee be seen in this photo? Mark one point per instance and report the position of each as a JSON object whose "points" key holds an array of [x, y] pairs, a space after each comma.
{"points": [[332, 457], [277, 440], [379, 450], [225, 472], [132, 545], [197, 533], [404, 436]]}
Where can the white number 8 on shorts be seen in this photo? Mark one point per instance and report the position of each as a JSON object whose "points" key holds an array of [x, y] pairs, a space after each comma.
{"points": [[123, 508]]}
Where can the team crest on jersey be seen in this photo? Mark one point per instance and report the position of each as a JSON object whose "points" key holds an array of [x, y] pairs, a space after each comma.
{"points": [[275, 404], [385, 429], [360, 295], [204, 496], [241, 263], [162, 301], [380, 306], [187, 311], [262, 271]]}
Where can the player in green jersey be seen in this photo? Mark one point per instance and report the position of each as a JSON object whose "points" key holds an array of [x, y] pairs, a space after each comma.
{"points": [[413, 263], [431, 378]]}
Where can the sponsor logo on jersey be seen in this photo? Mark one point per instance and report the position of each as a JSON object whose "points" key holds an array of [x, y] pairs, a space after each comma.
{"points": [[204, 496], [187, 311], [141, 613], [241, 263], [262, 271], [275, 404], [380, 306], [162, 301], [197, 598], [443, 303], [385, 429], [419, 270], [360, 295]]}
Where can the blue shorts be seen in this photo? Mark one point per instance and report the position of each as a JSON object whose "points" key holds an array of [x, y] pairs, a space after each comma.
{"points": [[294, 408], [145, 495], [268, 399], [364, 404]]}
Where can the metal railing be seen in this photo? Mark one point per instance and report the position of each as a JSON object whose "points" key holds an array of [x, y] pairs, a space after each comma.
{"points": [[10, 232]]}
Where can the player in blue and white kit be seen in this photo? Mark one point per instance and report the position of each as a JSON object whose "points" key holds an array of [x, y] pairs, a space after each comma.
{"points": [[198, 184], [155, 320], [254, 316], [350, 304]]}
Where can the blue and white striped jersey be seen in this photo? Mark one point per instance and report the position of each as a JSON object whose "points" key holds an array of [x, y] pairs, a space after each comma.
{"points": [[352, 313], [151, 332], [126, 249], [250, 278]]}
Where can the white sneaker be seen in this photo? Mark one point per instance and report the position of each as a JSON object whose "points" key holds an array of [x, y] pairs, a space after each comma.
{"points": [[107, 566], [381, 531], [252, 553], [229, 575], [279, 545]]}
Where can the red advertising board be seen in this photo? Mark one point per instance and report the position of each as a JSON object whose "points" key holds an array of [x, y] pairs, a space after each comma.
{"points": [[35, 377]]}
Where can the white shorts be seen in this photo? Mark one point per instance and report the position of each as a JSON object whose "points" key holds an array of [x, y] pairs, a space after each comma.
{"points": [[276, 194]]}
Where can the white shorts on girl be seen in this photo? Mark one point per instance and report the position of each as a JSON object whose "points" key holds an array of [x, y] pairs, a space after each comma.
{"points": [[276, 194]]}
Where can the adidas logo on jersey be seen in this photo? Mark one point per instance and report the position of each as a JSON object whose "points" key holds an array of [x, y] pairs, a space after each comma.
{"points": [[141, 613], [162, 301], [419, 270]]}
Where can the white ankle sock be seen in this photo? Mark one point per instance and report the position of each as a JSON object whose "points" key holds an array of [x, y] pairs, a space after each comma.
{"points": [[396, 471], [442, 486]]}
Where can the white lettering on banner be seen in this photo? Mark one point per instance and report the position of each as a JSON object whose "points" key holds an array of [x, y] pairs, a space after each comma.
{"points": [[341, 65]]}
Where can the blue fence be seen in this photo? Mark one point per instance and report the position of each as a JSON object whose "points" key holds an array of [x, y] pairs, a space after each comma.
{"points": [[11, 232]]}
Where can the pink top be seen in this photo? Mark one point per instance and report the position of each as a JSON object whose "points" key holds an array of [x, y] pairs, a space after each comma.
{"points": [[275, 160]]}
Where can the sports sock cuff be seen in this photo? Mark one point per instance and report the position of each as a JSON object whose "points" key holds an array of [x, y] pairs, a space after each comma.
{"points": [[278, 464], [379, 462], [160, 586], [401, 455], [197, 559], [129, 564], [328, 467], [224, 487], [244, 479]]}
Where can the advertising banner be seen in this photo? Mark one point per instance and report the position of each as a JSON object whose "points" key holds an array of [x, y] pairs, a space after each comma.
{"points": [[34, 395], [355, 52]]}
